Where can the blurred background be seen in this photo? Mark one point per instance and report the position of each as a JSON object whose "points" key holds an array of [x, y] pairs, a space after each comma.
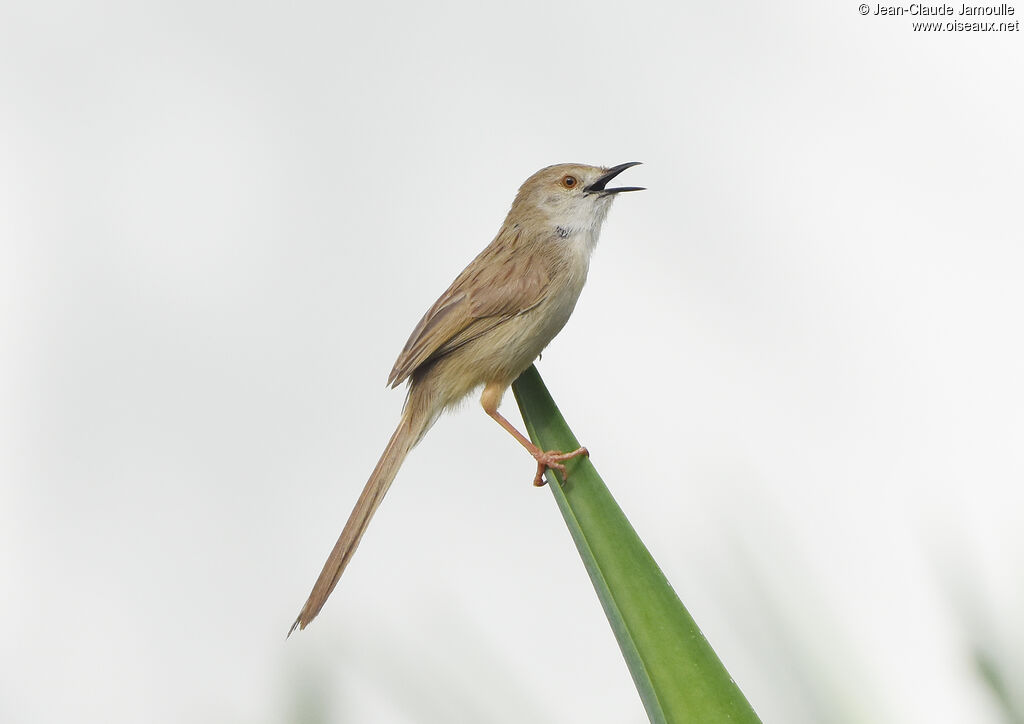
{"points": [[797, 362]]}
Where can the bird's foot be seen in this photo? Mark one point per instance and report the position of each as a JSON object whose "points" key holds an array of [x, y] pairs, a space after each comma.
{"points": [[553, 459]]}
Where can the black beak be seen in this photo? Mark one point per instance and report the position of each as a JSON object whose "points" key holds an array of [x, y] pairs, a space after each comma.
{"points": [[599, 185]]}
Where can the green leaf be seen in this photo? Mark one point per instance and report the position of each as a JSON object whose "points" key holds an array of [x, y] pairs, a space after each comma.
{"points": [[678, 674]]}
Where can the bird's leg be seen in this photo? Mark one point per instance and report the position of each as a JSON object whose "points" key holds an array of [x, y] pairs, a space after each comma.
{"points": [[490, 399]]}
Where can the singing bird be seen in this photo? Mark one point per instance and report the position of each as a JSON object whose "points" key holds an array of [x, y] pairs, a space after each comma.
{"points": [[487, 328]]}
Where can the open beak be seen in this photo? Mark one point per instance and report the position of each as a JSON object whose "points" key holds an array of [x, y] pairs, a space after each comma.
{"points": [[599, 186]]}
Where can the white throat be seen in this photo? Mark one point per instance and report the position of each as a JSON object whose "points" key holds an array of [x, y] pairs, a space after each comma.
{"points": [[581, 223]]}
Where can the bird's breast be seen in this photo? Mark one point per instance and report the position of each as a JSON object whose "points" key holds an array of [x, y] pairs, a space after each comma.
{"points": [[520, 340], [505, 351]]}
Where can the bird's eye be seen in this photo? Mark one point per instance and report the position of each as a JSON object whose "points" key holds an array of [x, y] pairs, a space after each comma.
{"points": [[569, 181]]}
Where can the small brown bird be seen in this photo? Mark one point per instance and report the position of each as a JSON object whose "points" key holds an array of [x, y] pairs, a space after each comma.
{"points": [[487, 328]]}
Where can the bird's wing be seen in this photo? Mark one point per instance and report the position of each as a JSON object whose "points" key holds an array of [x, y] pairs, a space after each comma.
{"points": [[497, 286]]}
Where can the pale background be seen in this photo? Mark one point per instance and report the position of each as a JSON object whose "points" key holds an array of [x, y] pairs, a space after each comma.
{"points": [[797, 362]]}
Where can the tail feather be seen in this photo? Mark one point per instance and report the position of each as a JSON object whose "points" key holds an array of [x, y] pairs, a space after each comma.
{"points": [[415, 422]]}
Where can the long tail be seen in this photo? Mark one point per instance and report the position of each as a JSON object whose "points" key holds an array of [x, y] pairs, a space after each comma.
{"points": [[416, 420]]}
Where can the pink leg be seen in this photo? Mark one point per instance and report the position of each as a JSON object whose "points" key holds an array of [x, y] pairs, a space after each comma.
{"points": [[490, 399]]}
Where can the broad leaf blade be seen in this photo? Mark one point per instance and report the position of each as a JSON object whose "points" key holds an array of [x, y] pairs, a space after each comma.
{"points": [[678, 674]]}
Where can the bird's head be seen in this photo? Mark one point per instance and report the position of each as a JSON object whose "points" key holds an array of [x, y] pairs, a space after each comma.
{"points": [[570, 197]]}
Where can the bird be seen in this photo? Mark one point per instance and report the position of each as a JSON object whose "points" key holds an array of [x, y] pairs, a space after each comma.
{"points": [[487, 328]]}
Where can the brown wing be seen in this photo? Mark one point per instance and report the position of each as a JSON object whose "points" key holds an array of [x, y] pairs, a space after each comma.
{"points": [[495, 287]]}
